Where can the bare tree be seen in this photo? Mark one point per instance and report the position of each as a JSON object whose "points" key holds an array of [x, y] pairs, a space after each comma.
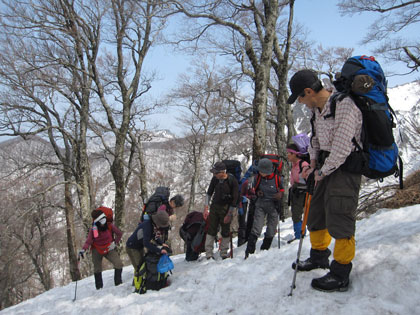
{"points": [[240, 20], [120, 82], [31, 224], [47, 88], [394, 17], [206, 114]]}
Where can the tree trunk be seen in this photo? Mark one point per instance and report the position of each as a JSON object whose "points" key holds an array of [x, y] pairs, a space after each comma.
{"points": [[71, 239]]}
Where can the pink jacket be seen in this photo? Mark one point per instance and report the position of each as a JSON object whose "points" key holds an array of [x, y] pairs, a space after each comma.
{"points": [[295, 176], [104, 238]]}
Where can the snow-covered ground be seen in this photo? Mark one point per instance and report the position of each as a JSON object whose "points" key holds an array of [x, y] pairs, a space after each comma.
{"points": [[385, 280]]}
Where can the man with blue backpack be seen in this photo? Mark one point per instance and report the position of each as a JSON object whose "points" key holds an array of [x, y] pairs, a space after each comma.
{"points": [[335, 198], [348, 128]]}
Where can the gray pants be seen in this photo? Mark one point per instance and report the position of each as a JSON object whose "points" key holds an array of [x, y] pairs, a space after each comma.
{"points": [[334, 204], [297, 200], [265, 208], [112, 256]]}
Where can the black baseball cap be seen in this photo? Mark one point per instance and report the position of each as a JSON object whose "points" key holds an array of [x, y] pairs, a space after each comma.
{"points": [[218, 167], [301, 80]]}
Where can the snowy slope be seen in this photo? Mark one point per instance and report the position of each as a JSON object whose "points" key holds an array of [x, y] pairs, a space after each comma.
{"points": [[385, 280]]}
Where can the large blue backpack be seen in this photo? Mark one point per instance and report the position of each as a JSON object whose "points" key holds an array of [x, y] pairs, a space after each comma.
{"points": [[363, 79]]}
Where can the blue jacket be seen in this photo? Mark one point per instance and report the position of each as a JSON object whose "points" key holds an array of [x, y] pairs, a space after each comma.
{"points": [[145, 236]]}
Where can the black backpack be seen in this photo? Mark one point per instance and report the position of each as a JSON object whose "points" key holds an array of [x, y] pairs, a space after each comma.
{"points": [[194, 230], [233, 167], [159, 197], [147, 276]]}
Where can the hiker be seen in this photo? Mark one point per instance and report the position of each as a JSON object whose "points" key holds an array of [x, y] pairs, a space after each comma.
{"points": [[159, 201], [102, 243], [246, 205], [298, 173], [269, 191], [193, 232], [223, 192], [335, 198], [150, 234]]}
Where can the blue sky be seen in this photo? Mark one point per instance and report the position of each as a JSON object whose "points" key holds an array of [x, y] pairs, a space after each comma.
{"points": [[325, 25]]}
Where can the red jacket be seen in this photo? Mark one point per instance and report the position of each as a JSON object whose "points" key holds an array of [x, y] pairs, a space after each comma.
{"points": [[104, 238]]}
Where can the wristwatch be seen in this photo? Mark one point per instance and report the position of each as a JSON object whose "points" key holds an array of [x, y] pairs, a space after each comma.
{"points": [[319, 173]]}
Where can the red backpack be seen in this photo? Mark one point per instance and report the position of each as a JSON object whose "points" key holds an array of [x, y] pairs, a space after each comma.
{"points": [[108, 212], [278, 166], [109, 219]]}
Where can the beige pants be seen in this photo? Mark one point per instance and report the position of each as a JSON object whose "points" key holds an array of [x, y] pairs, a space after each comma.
{"points": [[136, 256], [112, 256]]}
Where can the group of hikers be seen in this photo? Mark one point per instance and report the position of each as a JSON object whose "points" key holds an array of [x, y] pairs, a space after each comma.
{"points": [[323, 195]]}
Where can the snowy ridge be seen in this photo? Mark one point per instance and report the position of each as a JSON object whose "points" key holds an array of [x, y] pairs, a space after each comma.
{"points": [[384, 280], [404, 97]]}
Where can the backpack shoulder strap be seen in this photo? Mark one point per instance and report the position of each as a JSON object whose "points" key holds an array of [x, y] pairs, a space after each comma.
{"points": [[257, 182], [338, 96], [300, 166]]}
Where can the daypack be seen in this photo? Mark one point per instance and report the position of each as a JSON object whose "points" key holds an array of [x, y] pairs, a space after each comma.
{"points": [[363, 79], [108, 213], [147, 277], [160, 196], [193, 231], [233, 167]]}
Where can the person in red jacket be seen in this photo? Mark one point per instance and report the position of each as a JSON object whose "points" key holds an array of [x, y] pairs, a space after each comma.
{"points": [[101, 241]]}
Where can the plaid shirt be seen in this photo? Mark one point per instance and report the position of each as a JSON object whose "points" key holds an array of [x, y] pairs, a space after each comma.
{"points": [[335, 134]]}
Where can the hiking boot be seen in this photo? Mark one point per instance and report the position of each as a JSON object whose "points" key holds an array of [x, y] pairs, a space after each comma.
{"points": [[330, 283], [98, 280], [250, 246], [317, 259], [266, 243], [117, 276]]}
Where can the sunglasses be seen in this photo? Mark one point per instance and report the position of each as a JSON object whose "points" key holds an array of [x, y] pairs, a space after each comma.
{"points": [[302, 94]]}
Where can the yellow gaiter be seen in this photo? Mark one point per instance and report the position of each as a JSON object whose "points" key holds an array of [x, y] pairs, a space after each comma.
{"points": [[344, 250], [320, 239]]}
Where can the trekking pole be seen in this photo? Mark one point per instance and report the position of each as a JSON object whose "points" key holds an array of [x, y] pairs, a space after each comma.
{"points": [[278, 233], [231, 246], [75, 289], [302, 234]]}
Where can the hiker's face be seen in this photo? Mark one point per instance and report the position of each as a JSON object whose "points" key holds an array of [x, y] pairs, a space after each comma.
{"points": [[306, 97], [220, 175], [291, 157]]}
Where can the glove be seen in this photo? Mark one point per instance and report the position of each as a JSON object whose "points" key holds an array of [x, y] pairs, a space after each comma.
{"points": [[310, 182], [279, 195], [82, 254], [227, 218], [166, 250], [111, 246], [206, 212], [241, 211]]}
